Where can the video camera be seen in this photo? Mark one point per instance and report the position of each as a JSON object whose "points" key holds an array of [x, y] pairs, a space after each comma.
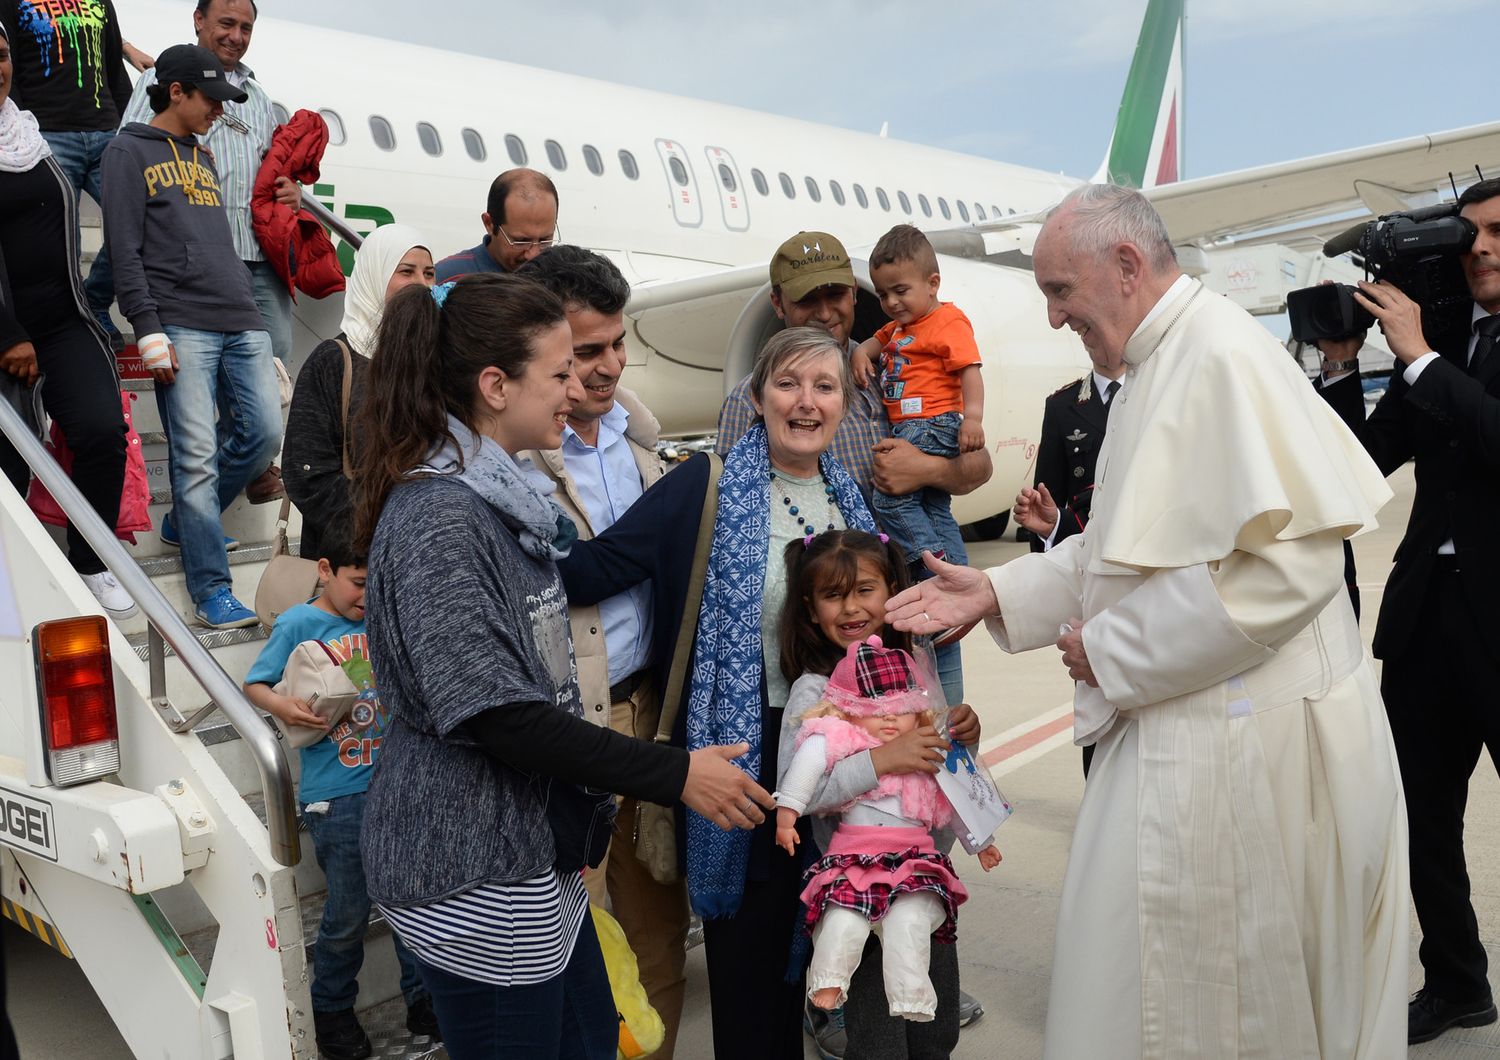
{"points": [[1416, 251]]}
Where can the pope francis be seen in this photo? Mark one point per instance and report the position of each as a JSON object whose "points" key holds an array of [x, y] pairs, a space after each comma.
{"points": [[1237, 885]]}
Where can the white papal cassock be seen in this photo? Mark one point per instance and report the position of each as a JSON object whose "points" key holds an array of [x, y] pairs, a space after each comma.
{"points": [[1237, 885]]}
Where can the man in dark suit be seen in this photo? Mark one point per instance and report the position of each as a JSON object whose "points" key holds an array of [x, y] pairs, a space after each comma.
{"points": [[1073, 423], [1441, 671]]}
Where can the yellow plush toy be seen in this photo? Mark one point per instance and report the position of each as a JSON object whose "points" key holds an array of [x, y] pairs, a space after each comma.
{"points": [[641, 1030]]}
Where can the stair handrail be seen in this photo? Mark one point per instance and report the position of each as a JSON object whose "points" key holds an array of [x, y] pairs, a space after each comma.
{"points": [[329, 219], [264, 743]]}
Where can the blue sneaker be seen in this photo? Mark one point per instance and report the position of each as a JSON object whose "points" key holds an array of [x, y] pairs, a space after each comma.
{"points": [[171, 540], [223, 611]]}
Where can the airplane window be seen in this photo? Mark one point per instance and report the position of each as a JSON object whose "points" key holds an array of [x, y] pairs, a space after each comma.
{"points": [[627, 164], [555, 155], [726, 177], [787, 187], [380, 129], [1012, 210], [280, 113], [980, 211], [474, 144], [943, 205], [336, 137], [592, 160], [428, 136], [812, 190], [679, 171], [996, 211], [760, 182], [904, 201], [515, 148], [926, 206], [838, 192], [885, 202], [963, 211], [859, 197]]}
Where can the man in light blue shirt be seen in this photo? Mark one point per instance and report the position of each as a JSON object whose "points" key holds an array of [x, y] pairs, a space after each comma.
{"points": [[607, 460], [239, 141]]}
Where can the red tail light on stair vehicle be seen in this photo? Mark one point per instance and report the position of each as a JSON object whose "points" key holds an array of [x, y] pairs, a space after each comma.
{"points": [[76, 687]]}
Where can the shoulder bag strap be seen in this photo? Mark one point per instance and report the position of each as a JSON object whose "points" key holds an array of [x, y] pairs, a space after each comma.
{"points": [[281, 547], [682, 654], [344, 406]]}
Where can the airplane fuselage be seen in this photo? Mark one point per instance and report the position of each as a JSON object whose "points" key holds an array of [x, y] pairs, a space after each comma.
{"points": [[667, 187]]}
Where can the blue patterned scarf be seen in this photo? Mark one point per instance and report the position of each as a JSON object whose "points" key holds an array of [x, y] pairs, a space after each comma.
{"points": [[724, 703]]}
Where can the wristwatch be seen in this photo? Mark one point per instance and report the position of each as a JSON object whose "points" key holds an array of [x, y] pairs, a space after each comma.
{"points": [[1340, 367]]}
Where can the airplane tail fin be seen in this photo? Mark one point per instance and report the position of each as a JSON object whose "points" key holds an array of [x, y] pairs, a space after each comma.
{"points": [[1146, 148]]}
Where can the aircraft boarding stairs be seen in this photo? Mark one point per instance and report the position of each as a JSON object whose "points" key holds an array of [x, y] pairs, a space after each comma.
{"points": [[176, 883]]}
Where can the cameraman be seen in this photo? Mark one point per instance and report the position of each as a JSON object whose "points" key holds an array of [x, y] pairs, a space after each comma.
{"points": [[1441, 672]]}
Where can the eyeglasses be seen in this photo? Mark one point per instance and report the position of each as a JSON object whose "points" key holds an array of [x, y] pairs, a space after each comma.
{"points": [[234, 123], [529, 244]]}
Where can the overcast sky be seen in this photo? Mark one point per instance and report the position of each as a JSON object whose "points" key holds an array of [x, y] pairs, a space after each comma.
{"points": [[1035, 84]]}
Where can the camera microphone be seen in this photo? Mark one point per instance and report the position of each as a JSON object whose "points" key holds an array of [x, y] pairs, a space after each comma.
{"points": [[1345, 242]]}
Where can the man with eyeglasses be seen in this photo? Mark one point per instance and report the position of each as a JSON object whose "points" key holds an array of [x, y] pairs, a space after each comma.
{"points": [[239, 140], [520, 220]]}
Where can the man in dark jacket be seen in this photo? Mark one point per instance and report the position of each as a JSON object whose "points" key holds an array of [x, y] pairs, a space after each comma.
{"points": [[1073, 423], [1441, 671], [189, 300]]}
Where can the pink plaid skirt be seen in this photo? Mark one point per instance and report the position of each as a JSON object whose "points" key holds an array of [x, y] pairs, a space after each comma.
{"points": [[869, 866]]}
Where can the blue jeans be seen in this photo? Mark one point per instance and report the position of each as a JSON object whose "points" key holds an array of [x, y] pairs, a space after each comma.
{"points": [[571, 1016], [275, 304], [950, 672], [223, 373], [78, 155], [923, 519], [340, 949]]}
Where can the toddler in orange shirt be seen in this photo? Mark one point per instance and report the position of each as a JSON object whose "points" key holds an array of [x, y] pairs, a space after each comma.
{"points": [[930, 383]]}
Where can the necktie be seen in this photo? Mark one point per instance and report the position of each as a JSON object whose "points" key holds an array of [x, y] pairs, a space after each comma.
{"points": [[1111, 390], [1488, 329]]}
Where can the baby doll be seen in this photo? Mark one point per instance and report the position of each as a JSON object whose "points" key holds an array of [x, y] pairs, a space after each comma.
{"points": [[881, 872]]}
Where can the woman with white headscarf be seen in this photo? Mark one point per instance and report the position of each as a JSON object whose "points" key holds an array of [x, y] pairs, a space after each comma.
{"points": [[392, 257], [53, 355]]}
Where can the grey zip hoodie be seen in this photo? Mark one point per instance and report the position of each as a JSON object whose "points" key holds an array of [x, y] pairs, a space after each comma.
{"points": [[168, 236]]}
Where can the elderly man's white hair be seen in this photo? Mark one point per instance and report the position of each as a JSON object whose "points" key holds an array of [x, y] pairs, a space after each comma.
{"points": [[1102, 216]]}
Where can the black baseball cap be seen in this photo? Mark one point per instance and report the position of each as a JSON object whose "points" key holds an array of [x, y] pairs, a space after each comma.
{"points": [[188, 64]]}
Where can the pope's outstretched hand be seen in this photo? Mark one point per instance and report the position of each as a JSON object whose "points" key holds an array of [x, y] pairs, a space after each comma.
{"points": [[953, 597]]}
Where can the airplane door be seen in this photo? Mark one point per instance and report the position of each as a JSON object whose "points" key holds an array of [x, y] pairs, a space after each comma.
{"points": [[732, 198], [687, 207]]}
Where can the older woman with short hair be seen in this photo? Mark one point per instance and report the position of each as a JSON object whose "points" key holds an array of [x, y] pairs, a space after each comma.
{"points": [[778, 485]]}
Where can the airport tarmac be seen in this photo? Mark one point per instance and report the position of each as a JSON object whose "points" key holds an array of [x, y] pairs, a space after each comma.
{"points": [[1005, 930]]}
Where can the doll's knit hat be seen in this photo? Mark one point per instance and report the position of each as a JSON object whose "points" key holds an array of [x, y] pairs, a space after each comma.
{"points": [[871, 680]]}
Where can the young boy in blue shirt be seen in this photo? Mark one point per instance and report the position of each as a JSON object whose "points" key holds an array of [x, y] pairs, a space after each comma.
{"points": [[335, 773]]}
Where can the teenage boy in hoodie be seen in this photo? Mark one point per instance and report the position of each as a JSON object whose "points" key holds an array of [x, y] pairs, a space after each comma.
{"points": [[189, 299]]}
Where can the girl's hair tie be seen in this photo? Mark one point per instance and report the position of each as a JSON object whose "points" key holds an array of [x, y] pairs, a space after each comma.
{"points": [[440, 293], [884, 539]]}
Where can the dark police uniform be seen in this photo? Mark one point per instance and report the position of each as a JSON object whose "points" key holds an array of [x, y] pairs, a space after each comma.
{"points": [[1073, 425]]}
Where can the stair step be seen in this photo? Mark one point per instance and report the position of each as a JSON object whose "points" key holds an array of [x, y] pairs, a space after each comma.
{"points": [[209, 638], [171, 562]]}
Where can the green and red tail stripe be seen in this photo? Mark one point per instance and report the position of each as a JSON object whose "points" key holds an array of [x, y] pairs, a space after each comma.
{"points": [[1146, 148]]}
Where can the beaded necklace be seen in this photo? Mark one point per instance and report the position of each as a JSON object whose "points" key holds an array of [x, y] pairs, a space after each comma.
{"points": [[808, 529]]}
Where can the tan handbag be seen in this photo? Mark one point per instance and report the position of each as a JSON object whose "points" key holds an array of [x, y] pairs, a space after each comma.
{"points": [[291, 580], [313, 673], [656, 826]]}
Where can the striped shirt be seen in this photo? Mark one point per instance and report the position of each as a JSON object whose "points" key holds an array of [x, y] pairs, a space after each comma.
{"points": [[238, 141], [863, 425], [505, 934]]}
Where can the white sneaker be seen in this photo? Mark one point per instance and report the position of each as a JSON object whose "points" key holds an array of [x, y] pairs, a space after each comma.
{"points": [[111, 595]]}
